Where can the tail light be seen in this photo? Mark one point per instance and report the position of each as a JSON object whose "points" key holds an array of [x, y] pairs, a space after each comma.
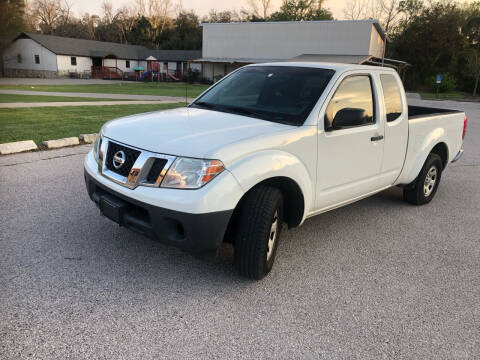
{"points": [[464, 127]]}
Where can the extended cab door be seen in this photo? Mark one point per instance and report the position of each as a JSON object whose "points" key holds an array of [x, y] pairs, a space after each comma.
{"points": [[350, 142], [395, 118]]}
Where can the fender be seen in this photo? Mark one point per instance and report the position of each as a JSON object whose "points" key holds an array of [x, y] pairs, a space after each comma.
{"points": [[418, 155], [257, 167]]}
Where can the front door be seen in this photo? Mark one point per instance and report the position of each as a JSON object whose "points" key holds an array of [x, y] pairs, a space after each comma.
{"points": [[96, 61], [350, 147]]}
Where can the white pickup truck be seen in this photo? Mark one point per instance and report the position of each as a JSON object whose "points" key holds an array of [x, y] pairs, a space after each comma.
{"points": [[268, 144]]}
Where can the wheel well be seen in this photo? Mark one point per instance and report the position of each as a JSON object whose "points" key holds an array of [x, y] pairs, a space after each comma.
{"points": [[441, 150], [293, 203]]}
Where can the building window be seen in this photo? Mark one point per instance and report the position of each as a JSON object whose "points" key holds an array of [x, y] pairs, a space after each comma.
{"points": [[37, 59], [127, 63], [19, 58], [73, 61]]}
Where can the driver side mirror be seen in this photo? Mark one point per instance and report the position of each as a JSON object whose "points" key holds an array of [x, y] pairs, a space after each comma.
{"points": [[348, 117]]}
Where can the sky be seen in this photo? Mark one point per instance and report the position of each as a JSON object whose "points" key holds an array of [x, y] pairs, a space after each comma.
{"points": [[202, 7]]}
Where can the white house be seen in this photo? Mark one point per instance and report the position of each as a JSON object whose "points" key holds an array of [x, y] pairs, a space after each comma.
{"points": [[227, 46], [37, 55]]}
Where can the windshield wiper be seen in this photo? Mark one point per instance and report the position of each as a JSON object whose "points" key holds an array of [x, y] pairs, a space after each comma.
{"points": [[204, 104], [244, 111]]}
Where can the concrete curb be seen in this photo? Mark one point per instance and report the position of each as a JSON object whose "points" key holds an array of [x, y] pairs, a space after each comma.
{"points": [[58, 143], [29, 145], [88, 138], [17, 147]]}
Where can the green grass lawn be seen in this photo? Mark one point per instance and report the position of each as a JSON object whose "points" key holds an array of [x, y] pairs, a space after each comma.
{"points": [[47, 123], [137, 88], [454, 95], [11, 98]]}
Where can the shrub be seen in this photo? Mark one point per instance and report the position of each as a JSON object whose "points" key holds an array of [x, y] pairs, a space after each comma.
{"points": [[193, 76], [448, 83]]}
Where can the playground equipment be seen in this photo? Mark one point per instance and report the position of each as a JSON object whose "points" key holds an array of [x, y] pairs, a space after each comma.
{"points": [[154, 72]]}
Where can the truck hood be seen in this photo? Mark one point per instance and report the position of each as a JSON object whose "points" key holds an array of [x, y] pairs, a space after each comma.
{"points": [[189, 132]]}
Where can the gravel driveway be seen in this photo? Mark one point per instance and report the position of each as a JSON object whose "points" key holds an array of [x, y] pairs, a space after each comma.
{"points": [[377, 279]]}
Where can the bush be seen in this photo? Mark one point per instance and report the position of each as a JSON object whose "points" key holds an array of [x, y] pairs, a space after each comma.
{"points": [[218, 77], [193, 76], [448, 83]]}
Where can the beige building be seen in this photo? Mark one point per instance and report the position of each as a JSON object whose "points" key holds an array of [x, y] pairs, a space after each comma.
{"points": [[227, 46]]}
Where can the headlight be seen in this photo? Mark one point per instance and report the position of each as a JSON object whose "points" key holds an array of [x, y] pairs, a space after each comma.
{"points": [[187, 173], [97, 144]]}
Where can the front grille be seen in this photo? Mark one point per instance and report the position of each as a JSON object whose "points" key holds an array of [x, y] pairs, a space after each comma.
{"points": [[131, 156], [156, 169]]}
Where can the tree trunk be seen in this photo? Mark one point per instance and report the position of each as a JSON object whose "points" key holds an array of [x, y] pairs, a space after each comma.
{"points": [[476, 84]]}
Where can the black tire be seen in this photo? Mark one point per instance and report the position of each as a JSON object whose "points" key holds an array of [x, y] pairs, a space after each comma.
{"points": [[256, 218], [415, 193]]}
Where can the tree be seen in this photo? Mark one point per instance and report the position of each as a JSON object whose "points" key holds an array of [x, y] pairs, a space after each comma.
{"points": [[473, 67], [91, 23], [156, 11], [107, 9], [74, 28], [47, 12], [386, 11], [355, 9], [11, 23], [141, 32], [126, 19], [221, 16], [298, 10], [410, 9], [430, 41], [259, 8], [186, 33], [390, 11]]}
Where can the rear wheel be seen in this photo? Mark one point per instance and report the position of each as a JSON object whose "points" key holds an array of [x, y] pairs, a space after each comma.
{"points": [[423, 189], [258, 231]]}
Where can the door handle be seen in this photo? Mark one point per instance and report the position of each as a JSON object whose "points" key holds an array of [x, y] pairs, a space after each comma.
{"points": [[376, 138]]}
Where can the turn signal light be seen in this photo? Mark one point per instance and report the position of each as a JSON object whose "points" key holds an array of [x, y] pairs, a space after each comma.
{"points": [[214, 168]]}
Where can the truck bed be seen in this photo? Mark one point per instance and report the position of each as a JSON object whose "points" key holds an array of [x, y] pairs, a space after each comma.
{"points": [[414, 112], [429, 126]]}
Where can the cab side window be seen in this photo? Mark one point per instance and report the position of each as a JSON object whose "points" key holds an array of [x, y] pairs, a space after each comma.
{"points": [[392, 96], [352, 105]]}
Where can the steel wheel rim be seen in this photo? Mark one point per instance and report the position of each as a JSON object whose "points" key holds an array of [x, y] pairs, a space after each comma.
{"points": [[272, 235], [430, 180]]}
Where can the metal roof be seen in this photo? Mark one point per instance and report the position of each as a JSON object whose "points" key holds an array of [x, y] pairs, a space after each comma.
{"points": [[175, 55], [92, 48]]}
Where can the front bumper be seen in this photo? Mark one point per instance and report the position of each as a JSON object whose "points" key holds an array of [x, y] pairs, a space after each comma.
{"points": [[196, 232]]}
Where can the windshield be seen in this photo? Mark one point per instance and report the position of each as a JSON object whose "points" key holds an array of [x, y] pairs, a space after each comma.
{"points": [[283, 94]]}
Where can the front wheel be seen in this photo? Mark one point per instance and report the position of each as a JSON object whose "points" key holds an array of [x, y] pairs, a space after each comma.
{"points": [[423, 189], [258, 231]]}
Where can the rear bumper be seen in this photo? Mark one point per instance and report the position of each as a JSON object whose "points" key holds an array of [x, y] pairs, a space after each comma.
{"points": [[195, 232], [458, 156]]}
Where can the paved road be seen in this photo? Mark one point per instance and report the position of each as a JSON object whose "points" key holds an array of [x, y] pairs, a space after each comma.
{"points": [[96, 95], [379, 279]]}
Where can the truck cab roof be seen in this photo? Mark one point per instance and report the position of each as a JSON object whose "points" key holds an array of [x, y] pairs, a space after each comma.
{"points": [[340, 67]]}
